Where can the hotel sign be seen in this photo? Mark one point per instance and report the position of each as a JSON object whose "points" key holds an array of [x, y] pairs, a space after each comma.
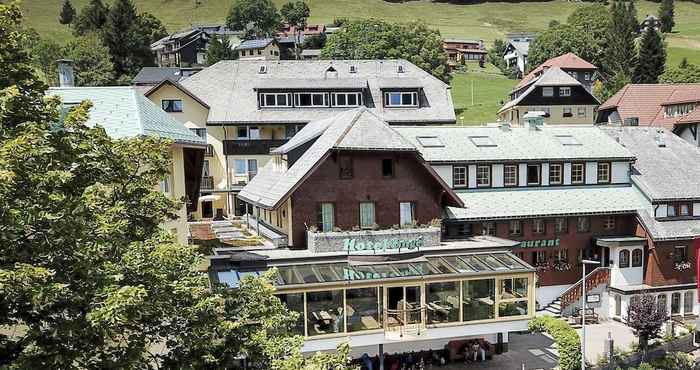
{"points": [[360, 273], [382, 246], [539, 243]]}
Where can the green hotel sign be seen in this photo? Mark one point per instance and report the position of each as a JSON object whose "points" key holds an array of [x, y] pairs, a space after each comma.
{"points": [[539, 243], [382, 246], [363, 273]]}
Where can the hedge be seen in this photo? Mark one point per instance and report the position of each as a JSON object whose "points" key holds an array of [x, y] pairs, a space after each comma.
{"points": [[567, 340]]}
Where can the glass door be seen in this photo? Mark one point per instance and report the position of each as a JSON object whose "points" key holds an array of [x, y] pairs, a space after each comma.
{"points": [[403, 305]]}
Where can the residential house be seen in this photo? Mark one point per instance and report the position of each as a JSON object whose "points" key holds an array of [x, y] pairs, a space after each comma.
{"points": [[561, 191], [665, 175], [125, 113], [460, 51], [311, 54], [517, 48], [187, 48], [350, 192], [578, 68], [152, 76], [556, 95], [259, 49], [250, 107], [669, 106]]}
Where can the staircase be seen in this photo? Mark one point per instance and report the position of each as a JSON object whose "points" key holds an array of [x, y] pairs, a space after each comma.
{"points": [[564, 304], [224, 230], [553, 308]]}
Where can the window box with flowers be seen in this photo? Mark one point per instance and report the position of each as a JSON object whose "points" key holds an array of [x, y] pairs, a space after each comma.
{"points": [[542, 266], [682, 266], [562, 266]]}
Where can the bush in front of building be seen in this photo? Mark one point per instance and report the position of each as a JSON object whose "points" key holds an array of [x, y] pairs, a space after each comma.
{"points": [[566, 338]]}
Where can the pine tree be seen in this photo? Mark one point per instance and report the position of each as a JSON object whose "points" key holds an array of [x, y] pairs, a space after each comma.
{"points": [[129, 45], [631, 18], [652, 58], [91, 19], [67, 13], [666, 15], [619, 53]]}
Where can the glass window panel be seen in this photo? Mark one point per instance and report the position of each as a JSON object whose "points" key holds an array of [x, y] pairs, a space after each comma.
{"points": [[512, 309], [688, 302], [491, 262], [307, 274], [352, 99], [243, 275], [441, 265], [328, 273], [407, 99], [270, 100], [366, 215], [442, 302], [362, 308], [424, 268], [478, 299], [661, 302], [475, 263], [508, 261], [675, 303], [340, 99], [325, 312], [229, 278], [295, 303], [289, 275], [458, 264], [394, 98], [513, 288]]}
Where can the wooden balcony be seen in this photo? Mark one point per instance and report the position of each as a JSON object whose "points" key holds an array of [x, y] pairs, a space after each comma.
{"points": [[209, 152], [262, 146]]}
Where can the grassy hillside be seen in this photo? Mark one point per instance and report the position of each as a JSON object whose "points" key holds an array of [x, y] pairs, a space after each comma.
{"points": [[489, 88]]}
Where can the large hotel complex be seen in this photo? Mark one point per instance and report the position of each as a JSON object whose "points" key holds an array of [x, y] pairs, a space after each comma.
{"points": [[395, 229]]}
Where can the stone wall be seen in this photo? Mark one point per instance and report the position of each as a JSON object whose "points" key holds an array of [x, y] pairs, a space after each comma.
{"points": [[374, 241]]}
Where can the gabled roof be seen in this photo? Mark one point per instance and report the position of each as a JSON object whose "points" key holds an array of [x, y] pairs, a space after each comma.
{"points": [[154, 75], [646, 101], [124, 112], [228, 88], [522, 47], [358, 129], [254, 44], [692, 117], [517, 144], [566, 61], [177, 86], [553, 76]]}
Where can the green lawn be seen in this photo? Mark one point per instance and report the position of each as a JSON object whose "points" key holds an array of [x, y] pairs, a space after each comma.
{"points": [[490, 89]]}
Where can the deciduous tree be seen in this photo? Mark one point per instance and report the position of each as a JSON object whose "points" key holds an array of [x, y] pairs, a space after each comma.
{"points": [[295, 14], [592, 19], [646, 318], [91, 18], [151, 26], [651, 60], [377, 39], [92, 63], [666, 15], [684, 73], [560, 40], [220, 49], [257, 17], [45, 53], [67, 13]]}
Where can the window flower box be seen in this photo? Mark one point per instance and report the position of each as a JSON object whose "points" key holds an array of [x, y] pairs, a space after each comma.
{"points": [[682, 266]]}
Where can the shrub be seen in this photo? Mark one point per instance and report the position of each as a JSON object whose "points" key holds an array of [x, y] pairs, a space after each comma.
{"points": [[566, 338]]}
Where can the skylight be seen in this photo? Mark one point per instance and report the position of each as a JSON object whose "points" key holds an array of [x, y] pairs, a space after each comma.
{"points": [[482, 141], [567, 140], [430, 141]]}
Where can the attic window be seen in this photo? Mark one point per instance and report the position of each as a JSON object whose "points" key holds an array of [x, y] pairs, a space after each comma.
{"points": [[399, 69], [263, 69], [331, 69], [430, 141], [567, 140], [482, 141], [353, 69]]}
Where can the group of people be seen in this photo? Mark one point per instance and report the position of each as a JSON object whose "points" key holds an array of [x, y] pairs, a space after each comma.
{"points": [[473, 349]]}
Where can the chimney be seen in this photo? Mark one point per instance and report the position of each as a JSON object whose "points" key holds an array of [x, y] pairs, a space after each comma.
{"points": [[504, 126], [660, 139], [534, 120], [65, 73]]}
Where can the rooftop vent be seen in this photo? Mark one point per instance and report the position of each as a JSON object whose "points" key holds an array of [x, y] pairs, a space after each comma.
{"points": [[430, 141], [535, 119], [353, 69], [331, 72], [262, 69], [660, 139], [504, 126], [399, 69]]}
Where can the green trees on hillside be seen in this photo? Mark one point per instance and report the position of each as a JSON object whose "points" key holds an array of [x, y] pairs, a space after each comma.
{"points": [[220, 49], [559, 40], [91, 19], [91, 61], [67, 13], [666, 15], [259, 18], [620, 52], [683, 73], [651, 59]]}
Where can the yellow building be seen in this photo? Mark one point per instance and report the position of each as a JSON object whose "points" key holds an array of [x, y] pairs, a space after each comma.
{"points": [[124, 112]]}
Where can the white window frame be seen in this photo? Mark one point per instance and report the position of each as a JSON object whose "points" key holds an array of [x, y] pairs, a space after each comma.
{"points": [[582, 173], [488, 228], [327, 219], [581, 111], [587, 76], [506, 175], [455, 184], [558, 172], [324, 99], [262, 100], [547, 91], [334, 100], [162, 105], [407, 209], [479, 176], [603, 169], [387, 99], [515, 227], [368, 225], [565, 91], [539, 226]]}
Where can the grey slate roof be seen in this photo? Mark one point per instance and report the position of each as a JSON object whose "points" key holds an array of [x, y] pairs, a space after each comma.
{"points": [[669, 230], [228, 88], [154, 75], [553, 76], [254, 44], [515, 144], [124, 113], [544, 202], [311, 83], [522, 47], [661, 173], [357, 129]]}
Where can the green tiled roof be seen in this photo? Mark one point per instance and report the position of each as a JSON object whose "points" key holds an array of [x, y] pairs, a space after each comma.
{"points": [[124, 112]]}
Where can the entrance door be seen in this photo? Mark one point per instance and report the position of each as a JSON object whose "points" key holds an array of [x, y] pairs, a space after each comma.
{"points": [[403, 305], [207, 208]]}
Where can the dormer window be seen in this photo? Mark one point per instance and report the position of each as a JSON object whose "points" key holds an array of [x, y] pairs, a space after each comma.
{"points": [[262, 69], [310, 99], [346, 99], [271, 100], [353, 69], [394, 99], [399, 69]]}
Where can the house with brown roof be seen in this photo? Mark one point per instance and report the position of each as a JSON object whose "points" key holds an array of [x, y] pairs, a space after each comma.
{"points": [[459, 51], [572, 64], [672, 106]]}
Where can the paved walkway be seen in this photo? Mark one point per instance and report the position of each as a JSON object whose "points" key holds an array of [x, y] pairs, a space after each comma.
{"points": [[596, 334], [534, 350]]}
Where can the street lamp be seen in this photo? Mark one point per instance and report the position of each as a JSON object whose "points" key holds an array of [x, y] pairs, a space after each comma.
{"points": [[583, 311]]}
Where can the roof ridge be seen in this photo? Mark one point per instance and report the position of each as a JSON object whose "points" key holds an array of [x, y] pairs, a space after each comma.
{"points": [[357, 115], [139, 111]]}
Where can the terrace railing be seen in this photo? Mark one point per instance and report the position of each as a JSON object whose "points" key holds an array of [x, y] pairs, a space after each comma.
{"points": [[401, 324], [600, 275]]}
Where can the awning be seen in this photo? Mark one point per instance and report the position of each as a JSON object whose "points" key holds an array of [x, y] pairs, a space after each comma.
{"points": [[209, 198]]}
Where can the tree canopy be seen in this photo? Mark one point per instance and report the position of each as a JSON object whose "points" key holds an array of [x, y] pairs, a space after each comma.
{"points": [[377, 39], [257, 17], [220, 49], [559, 40], [67, 13], [151, 26], [666, 15], [91, 19], [128, 41], [684, 73], [91, 61], [651, 59], [646, 318], [594, 20]]}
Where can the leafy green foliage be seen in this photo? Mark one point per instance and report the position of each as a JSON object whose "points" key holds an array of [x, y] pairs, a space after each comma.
{"points": [[620, 52], [45, 53], [666, 15], [603, 91], [295, 13], [91, 19], [67, 13], [257, 17], [91, 61], [592, 19], [566, 338], [651, 59], [646, 318], [674, 361], [377, 39], [129, 42], [152, 26], [220, 49], [560, 40], [684, 73]]}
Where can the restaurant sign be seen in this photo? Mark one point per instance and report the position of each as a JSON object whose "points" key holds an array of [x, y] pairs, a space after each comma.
{"points": [[539, 243], [385, 245]]}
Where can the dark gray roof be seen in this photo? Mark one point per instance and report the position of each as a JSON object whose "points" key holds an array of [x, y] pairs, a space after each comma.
{"points": [[155, 75], [668, 230], [311, 83], [671, 172], [515, 144], [254, 44], [228, 88]]}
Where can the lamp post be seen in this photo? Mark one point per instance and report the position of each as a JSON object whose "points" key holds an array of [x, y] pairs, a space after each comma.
{"points": [[583, 311]]}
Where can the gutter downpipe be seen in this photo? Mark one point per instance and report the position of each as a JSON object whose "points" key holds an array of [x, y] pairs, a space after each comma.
{"points": [[228, 177]]}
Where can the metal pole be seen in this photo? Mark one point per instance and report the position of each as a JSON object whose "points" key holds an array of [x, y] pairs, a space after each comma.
{"points": [[583, 320], [381, 356]]}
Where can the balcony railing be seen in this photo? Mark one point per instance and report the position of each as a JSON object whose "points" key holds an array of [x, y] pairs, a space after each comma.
{"points": [[600, 275], [207, 183], [209, 152], [262, 146]]}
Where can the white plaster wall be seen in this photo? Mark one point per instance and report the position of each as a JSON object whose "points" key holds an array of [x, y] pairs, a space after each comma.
{"points": [[661, 210], [445, 172], [522, 174], [620, 173], [567, 173], [627, 275], [547, 294], [591, 172], [544, 174], [497, 175], [696, 209], [472, 175]]}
